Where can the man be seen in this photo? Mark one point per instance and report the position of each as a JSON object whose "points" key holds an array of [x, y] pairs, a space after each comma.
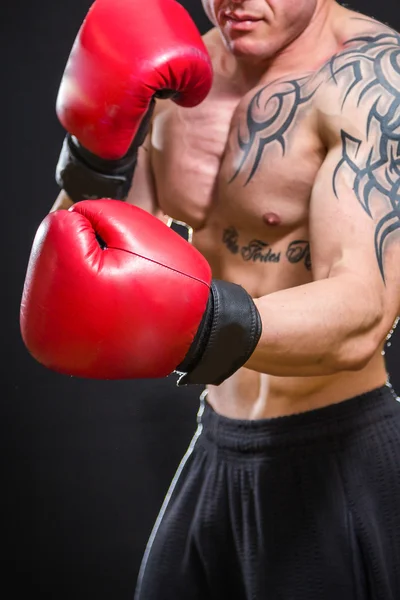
{"points": [[288, 174]]}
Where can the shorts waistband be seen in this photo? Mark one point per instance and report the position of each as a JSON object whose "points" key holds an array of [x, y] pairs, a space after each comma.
{"points": [[329, 424]]}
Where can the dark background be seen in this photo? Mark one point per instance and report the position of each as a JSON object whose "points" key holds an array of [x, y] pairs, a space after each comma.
{"points": [[86, 464]]}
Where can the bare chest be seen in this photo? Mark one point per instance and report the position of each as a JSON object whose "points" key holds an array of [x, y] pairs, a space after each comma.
{"points": [[242, 162]]}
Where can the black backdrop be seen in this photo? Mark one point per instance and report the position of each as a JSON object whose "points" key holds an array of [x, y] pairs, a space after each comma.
{"points": [[86, 464]]}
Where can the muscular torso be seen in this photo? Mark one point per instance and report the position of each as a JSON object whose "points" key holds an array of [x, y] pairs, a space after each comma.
{"points": [[239, 170]]}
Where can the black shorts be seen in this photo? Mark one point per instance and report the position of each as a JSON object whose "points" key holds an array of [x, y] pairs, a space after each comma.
{"points": [[304, 507]]}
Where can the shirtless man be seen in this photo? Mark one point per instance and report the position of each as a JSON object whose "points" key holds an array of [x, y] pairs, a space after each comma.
{"points": [[288, 176]]}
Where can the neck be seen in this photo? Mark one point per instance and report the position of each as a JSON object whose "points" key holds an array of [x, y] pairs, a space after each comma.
{"points": [[305, 53]]}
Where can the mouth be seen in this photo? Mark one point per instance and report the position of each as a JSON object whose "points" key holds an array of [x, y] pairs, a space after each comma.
{"points": [[238, 21]]}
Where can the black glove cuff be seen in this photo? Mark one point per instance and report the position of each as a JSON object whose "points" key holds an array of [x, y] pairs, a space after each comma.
{"points": [[227, 336], [85, 176]]}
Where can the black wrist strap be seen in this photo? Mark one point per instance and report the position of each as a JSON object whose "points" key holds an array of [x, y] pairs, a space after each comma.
{"points": [[85, 176], [227, 337]]}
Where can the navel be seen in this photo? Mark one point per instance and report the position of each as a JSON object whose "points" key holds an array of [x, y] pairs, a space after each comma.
{"points": [[271, 219]]}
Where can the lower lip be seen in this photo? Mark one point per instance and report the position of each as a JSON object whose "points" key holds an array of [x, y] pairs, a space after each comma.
{"points": [[241, 25]]}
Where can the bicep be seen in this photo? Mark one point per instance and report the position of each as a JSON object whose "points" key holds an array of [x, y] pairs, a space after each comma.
{"points": [[355, 204], [143, 191], [353, 230], [341, 233]]}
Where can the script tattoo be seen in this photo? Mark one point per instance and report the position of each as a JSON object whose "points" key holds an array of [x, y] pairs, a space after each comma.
{"points": [[269, 118], [372, 73], [299, 251], [255, 251], [230, 238], [260, 251]]}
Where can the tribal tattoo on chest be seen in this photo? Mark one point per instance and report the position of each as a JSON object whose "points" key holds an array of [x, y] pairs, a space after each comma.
{"points": [[368, 73], [269, 119]]}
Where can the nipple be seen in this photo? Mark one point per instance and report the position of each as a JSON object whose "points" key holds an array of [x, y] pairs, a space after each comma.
{"points": [[271, 219]]}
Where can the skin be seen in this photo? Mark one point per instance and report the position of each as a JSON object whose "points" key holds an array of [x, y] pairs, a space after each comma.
{"points": [[273, 174]]}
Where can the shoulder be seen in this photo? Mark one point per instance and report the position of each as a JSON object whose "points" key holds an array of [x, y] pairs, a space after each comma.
{"points": [[367, 40], [349, 24], [363, 41], [365, 69]]}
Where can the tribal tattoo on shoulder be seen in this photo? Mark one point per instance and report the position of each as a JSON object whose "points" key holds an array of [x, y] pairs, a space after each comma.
{"points": [[372, 72]]}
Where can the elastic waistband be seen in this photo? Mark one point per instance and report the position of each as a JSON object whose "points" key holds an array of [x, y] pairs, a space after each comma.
{"points": [[328, 425]]}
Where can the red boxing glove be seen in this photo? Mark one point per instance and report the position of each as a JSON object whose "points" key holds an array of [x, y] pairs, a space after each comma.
{"points": [[113, 293], [127, 52]]}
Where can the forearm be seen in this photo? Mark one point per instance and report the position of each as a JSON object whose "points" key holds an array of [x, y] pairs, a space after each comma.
{"points": [[318, 329], [63, 202]]}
